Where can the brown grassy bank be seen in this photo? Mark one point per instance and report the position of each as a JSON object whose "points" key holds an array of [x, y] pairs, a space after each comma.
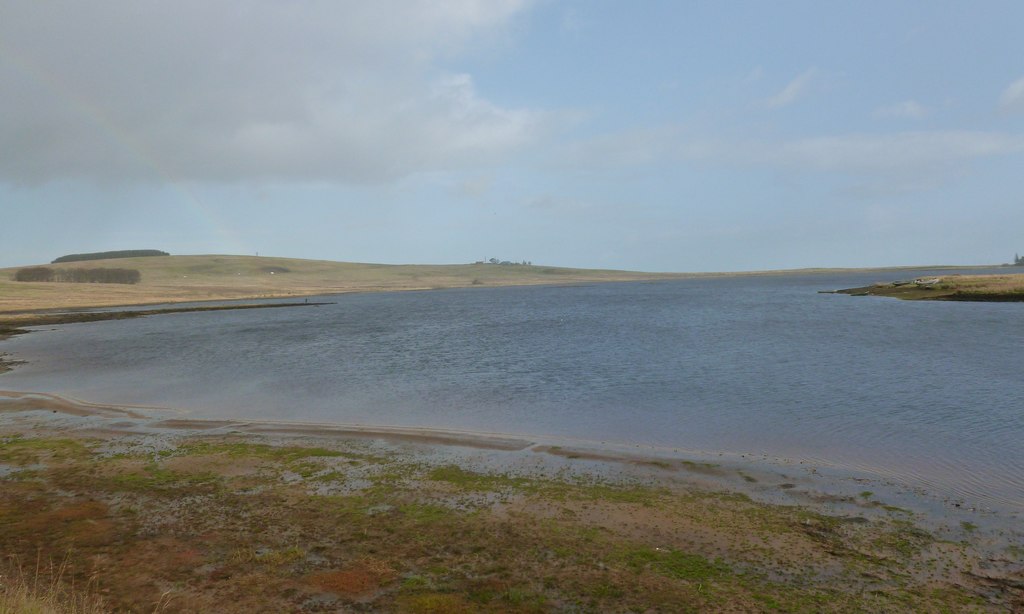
{"points": [[986, 288], [200, 519], [170, 279]]}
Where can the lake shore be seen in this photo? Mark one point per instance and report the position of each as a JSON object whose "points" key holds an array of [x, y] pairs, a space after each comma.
{"points": [[155, 507], [177, 279], [147, 508], [979, 288], [18, 325]]}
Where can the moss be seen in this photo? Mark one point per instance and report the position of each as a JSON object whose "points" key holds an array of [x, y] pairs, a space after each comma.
{"points": [[256, 450], [421, 544], [675, 563], [422, 513], [25, 451], [470, 480], [156, 478]]}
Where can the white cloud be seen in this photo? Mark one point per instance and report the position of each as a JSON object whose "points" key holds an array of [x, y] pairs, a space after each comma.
{"points": [[909, 109], [627, 149], [305, 90], [1013, 96], [793, 91], [873, 153], [901, 158], [475, 187], [548, 202]]}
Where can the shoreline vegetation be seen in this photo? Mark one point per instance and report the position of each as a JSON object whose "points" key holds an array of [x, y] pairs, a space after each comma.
{"points": [[981, 288], [136, 510], [141, 513]]}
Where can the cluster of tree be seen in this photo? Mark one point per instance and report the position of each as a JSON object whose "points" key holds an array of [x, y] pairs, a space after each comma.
{"points": [[79, 276], [125, 253], [1017, 260], [507, 262]]}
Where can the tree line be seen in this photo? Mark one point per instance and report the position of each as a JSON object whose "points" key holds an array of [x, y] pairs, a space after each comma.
{"points": [[79, 276], [125, 253]]}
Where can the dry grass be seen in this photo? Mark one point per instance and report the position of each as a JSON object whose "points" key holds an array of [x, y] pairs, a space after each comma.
{"points": [[45, 590], [1008, 287], [985, 283], [193, 278], [171, 279], [370, 530]]}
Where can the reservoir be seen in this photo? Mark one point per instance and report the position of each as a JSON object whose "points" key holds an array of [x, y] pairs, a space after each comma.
{"points": [[930, 394]]}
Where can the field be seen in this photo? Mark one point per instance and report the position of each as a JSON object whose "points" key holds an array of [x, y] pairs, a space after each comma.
{"points": [[196, 278]]}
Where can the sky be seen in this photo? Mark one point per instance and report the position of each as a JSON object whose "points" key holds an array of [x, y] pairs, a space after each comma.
{"points": [[645, 135]]}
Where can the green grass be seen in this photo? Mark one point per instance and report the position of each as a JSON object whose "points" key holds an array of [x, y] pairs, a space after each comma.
{"points": [[675, 564], [285, 454], [472, 481], [24, 451], [154, 478], [423, 540]]}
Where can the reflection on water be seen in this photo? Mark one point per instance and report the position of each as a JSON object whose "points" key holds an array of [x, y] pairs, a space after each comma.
{"points": [[927, 392]]}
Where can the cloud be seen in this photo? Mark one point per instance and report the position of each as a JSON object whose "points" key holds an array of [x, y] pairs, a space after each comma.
{"points": [[909, 109], [793, 90], [548, 202], [236, 91], [874, 153], [475, 187], [635, 148], [1013, 96], [901, 158]]}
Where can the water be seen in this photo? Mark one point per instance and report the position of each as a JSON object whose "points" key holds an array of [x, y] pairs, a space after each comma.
{"points": [[928, 393]]}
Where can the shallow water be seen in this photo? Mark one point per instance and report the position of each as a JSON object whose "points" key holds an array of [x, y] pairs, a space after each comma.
{"points": [[927, 393]]}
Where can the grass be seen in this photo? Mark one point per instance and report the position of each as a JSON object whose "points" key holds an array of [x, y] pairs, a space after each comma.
{"points": [[43, 590], [24, 451], [155, 478], [675, 564], [1009, 287], [237, 449], [405, 535], [171, 279]]}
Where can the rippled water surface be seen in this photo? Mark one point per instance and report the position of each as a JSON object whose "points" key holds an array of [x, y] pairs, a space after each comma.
{"points": [[929, 392]]}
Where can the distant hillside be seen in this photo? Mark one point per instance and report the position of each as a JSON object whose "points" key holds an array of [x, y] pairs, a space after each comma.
{"points": [[125, 253], [172, 279]]}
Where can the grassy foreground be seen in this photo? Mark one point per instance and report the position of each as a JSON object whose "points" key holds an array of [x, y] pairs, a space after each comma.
{"points": [[185, 522], [169, 279], [996, 288]]}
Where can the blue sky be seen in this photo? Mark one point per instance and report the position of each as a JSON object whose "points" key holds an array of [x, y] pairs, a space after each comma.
{"points": [[670, 136]]}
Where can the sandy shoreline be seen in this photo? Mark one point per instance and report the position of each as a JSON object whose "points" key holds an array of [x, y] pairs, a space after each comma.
{"points": [[834, 489]]}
